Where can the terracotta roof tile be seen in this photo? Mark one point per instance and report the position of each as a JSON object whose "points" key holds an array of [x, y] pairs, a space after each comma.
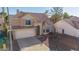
{"points": [[40, 17]]}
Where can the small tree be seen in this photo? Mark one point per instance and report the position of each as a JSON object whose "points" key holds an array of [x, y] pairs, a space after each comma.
{"points": [[65, 15], [57, 14]]}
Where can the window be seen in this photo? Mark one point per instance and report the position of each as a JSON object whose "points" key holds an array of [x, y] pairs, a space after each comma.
{"points": [[46, 30], [28, 22]]}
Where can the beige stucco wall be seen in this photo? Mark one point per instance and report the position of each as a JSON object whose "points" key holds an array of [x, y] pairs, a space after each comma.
{"points": [[32, 18], [15, 22], [21, 21]]}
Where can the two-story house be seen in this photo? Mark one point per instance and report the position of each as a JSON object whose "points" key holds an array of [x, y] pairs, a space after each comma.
{"points": [[28, 24]]}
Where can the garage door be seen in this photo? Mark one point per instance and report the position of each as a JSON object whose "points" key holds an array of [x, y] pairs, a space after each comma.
{"points": [[25, 33]]}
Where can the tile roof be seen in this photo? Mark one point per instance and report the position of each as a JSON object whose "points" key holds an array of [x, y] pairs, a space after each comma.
{"points": [[39, 16], [74, 21]]}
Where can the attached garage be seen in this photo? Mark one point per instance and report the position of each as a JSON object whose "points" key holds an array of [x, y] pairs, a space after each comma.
{"points": [[24, 33]]}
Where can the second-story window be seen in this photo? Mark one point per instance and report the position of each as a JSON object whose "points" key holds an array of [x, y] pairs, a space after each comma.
{"points": [[28, 22]]}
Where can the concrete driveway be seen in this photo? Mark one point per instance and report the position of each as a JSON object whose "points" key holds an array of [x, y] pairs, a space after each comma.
{"points": [[31, 44]]}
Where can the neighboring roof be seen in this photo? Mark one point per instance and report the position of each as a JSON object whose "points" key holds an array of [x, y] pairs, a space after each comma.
{"points": [[73, 20]]}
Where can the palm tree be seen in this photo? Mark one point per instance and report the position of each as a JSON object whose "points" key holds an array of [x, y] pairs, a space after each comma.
{"points": [[4, 26], [5, 16]]}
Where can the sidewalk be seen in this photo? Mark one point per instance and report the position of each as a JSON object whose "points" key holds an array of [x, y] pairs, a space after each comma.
{"points": [[38, 47]]}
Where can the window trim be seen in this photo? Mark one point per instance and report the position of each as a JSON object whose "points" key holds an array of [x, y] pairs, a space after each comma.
{"points": [[28, 24]]}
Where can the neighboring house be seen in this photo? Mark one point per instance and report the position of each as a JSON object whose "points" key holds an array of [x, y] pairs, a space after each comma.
{"points": [[69, 25], [27, 24]]}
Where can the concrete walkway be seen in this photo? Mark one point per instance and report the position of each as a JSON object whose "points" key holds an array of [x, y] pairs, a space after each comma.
{"points": [[31, 44]]}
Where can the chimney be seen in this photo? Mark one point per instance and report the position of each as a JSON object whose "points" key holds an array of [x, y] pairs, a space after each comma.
{"points": [[18, 11]]}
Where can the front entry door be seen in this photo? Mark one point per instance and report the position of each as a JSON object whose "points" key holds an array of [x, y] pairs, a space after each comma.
{"points": [[38, 30]]}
